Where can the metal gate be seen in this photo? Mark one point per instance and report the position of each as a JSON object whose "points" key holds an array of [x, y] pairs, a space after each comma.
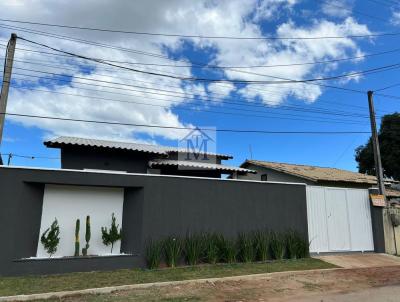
{"points": [[339, 219]]}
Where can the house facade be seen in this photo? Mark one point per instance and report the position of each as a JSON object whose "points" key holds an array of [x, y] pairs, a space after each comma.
{"points": [[93, 154], [316, 176]]}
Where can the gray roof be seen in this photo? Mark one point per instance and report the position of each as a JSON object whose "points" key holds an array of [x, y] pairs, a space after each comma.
{"points": [[88, 142], [198, 165]]}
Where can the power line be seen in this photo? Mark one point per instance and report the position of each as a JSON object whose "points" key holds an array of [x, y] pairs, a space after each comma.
{"points": [[157, 93], [282, 80], [224, 96], [149, 54], [193, 109], [29, 156], [183, 128], [208, 66], [202, 36]]}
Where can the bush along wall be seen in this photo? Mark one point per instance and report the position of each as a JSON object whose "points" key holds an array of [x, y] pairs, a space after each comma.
{"points": [[196, 248]]}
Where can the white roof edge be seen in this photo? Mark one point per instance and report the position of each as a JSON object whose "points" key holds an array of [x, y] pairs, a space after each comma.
{"points": [[149, 175]]}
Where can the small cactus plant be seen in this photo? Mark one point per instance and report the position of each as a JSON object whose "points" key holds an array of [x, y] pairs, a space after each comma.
{"points": [[77, 226], [87, 236]]}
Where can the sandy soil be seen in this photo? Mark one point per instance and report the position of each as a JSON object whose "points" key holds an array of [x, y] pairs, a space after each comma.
{"points": [[303, 286]]}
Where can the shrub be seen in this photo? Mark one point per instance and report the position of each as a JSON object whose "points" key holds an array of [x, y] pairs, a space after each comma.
{"points": [[227, 249], [193, 248], [50, 238], [302, 247], [113, 235], [291, 240], [211, 251], [261, 245], [246, 247], [154, 251], [172, 250], [277, 246]]}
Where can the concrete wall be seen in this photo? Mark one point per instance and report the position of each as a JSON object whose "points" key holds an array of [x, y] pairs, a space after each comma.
{"points": [[154, 207]]}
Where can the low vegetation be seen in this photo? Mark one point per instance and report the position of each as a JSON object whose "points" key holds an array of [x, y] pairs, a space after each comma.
{"points": [[261, 245], [74, 281]]}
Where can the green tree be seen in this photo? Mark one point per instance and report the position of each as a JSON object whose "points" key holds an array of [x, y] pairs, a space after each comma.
{"points": [[113, 235], [389, 141], [50, 238]]}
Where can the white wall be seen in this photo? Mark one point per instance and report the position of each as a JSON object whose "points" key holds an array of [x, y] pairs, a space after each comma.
{"points": [[339, 219], [68, 203]]}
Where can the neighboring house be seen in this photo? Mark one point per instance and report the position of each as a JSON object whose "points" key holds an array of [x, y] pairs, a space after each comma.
{"points": [[93, 154], [316, 176]]}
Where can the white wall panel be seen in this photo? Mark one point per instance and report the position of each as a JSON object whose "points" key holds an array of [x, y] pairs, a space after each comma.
{"points": [[339, 219], [316, 216], [359, 210], [68, 203]]}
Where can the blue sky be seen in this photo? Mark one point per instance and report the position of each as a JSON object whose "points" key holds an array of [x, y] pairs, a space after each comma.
{"points": [[186, 104]]}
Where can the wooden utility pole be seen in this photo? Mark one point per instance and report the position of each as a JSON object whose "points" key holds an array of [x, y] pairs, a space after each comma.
{"points": [[375, 143], [8, 63]]}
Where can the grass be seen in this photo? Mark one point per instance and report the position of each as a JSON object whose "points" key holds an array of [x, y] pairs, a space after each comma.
{"points": [[74, 281]]}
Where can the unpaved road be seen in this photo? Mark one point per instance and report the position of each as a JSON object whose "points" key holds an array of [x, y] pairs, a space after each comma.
{"points": [[363, 284]]}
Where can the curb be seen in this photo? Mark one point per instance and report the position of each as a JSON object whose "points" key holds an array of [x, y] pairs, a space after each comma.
{"points": [[111, 289]]}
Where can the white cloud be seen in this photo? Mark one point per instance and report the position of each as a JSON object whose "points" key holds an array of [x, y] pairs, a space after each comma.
{"points": [[338, 8], [395, 18], [206, 18]]}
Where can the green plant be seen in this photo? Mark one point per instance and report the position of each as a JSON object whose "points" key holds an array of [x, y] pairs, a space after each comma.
{"points": [[113, 235], [246, 247], [172, 250], [291, 240], [302, 247], [211, 251], [77, 227], [277, 245], [227, 249], [87, 236], [261, 245], [50, 238], [193, 248], [154, 253]]}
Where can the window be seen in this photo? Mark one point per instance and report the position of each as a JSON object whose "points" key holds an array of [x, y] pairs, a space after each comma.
{"points": [[264, 177]]}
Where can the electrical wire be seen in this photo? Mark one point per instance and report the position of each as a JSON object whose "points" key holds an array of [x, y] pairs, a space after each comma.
{"points": [[201, 36], [182, 128]]}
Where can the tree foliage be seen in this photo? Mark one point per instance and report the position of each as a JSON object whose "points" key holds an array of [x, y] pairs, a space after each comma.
{"points": [[50, 238], [113, 235], [389, 141]]}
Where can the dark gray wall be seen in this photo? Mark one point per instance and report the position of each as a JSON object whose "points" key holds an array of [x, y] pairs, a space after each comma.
{"points": [[102, 159], [154, 207]]}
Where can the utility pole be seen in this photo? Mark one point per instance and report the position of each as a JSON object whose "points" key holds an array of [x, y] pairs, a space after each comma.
{"points": [[9, 159], [8, 63], [375, 143]]}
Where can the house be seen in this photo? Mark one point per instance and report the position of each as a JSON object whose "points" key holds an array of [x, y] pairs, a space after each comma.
{"points": [[93, 154], [315, 176]]}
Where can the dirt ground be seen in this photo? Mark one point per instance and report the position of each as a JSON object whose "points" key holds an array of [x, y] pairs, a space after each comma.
{"points": [[300, 286]]}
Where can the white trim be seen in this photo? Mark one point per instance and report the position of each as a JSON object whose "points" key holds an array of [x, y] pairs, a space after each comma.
{"points": [[110, 172]]}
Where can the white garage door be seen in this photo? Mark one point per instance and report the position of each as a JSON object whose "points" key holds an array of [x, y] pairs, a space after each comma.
{"points": [[339, 220]]}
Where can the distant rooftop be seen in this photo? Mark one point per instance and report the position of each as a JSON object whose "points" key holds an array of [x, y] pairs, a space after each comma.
{"points": [[314, 173], [107, 144]]}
